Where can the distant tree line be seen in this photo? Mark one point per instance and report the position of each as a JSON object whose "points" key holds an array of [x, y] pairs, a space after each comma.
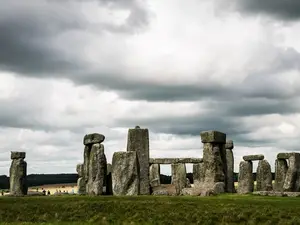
{"points": [[42, 179]]}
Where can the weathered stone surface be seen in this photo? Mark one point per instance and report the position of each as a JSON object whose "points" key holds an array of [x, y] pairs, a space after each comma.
{"points": [[174, 160], [253, 157], [292, 181], [80, 170], [18, 155], [97, 170], [81, 185], [213, 137], [94, 138], [245, 180], [188, 183], [138, 141], [154, 175], [214, 163], [108, 182], [125, 173], [283, 155], [281, 168], [17, 177], [264, 176], [86, 162], [270, 193], [198, 173], [218, 188], [229, 144], [179, 176], [230, 172], [292, 194]]}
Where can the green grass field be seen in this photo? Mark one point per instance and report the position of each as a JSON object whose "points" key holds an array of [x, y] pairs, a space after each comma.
{"points": [[223, 209]]}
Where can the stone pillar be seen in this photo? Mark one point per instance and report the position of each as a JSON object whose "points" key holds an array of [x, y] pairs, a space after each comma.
{"points": [[198, 173], [281, 168], [138, 140], [230, 166], [214, 158], [97, 170], [264, 176], [18, 174], [179, 179], [125, 173], [245, 180], [94, 165], [292, 178], [154, 175], [81, 184], [108, 183]]}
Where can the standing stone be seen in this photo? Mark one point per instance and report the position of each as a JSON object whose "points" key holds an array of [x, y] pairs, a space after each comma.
{"points": [[86, 161], [214, 158], [125, 173], [281, 168], [292, 182], [154, 175], [198, 173], [230, 166], [263, 176], [245, 180], [179, 179], [18, 174], [108, 183], [188, 183], [138, 140], [97, 170], [81, 184]]}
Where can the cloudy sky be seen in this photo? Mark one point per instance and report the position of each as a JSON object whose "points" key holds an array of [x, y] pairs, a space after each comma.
{"points": [[72, 67]]}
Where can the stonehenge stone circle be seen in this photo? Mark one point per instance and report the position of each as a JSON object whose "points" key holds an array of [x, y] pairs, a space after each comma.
{"points": [[93, 172], [138, 141], [253, 157], [133, 172], [281, 168], [179, 176], [214, 158], [246, 183], [18, 174], [264, 176], [125, 173], [230, 166], [154, 175]]}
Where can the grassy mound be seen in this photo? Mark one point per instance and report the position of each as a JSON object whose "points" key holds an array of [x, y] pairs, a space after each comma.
{"points": [[224, 209]]}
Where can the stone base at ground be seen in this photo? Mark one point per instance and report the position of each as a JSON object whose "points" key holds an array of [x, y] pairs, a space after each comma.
{"points": [[277, 193]]}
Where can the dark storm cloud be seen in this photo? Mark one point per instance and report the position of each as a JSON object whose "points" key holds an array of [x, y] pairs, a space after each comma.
{"points": [[29, 30], [281, 9]]}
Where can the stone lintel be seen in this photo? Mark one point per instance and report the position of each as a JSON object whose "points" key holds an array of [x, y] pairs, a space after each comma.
{"points": [[174, 160], [18, 155], [229, 144], [213, 137], [253, 157], [93, 138], [286, 155]]}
